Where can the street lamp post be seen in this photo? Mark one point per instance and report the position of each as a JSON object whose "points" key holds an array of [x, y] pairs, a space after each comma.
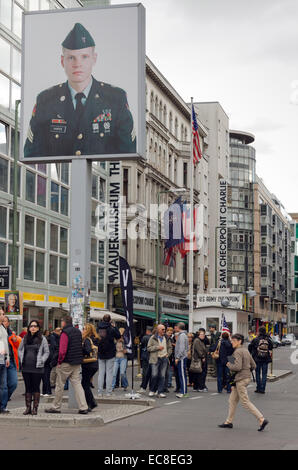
{"points": [[15, 198]]}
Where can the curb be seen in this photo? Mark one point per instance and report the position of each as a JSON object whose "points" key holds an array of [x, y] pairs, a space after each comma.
{"points": [[110, 401], [280, 376]]}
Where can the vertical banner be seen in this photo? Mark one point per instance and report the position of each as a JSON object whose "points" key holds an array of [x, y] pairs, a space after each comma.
{"points": [[127, 300], [114, 221], [222, 240]]}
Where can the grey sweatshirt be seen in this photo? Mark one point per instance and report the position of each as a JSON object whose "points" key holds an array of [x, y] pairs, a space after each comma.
{"points": [[3, 340], [181, 347]]}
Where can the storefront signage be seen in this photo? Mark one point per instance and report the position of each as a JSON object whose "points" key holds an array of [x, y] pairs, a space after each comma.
{"points": [[5, 277], [222, 236], [114, 218], [215, 300]]}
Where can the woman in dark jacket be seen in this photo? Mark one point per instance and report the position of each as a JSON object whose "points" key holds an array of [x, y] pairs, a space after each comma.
{"points": [[200, 351], [90, 337], [33, 353], [223, 373]]}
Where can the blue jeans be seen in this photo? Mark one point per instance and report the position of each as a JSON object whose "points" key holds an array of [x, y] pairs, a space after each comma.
{"points": [[223, 372], [120, 362], [158, 375], [10, 383], [261, 375], [2, 382], [105, 369]]}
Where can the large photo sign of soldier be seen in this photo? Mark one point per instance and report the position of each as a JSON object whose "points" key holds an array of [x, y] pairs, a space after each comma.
{"points": [[83, 89]]}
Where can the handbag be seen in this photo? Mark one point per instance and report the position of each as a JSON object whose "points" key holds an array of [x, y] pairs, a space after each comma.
{"points": [[215, 354], [93, 354], [196, 364]]}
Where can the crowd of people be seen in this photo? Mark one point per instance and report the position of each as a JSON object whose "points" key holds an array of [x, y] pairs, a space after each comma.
{"points": [[172, 352], [67, 354]]}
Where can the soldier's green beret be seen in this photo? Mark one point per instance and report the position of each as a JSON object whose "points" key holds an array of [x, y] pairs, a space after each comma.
{"points": [[78, 38]]}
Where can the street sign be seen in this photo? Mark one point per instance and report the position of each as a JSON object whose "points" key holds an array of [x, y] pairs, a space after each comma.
{"points": [[5, 277]]}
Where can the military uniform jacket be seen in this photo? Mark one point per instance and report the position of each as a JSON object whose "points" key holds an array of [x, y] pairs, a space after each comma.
{"points": [[105, 127]]}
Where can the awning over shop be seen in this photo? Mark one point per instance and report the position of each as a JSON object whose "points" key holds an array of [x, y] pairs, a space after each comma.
{"points": [[164, 316], [98, 314]]}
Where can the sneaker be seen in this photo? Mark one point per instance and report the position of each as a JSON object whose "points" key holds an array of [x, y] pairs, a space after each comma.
{"points": [[200, 390], [52, 410], [161, 395], [205, 390], [142, 390], [4, 411], [179, 395], [151, 394], [46, 395]]}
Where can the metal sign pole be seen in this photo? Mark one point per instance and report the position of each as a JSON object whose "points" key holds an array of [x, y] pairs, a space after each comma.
{"points": [[80, 244]]}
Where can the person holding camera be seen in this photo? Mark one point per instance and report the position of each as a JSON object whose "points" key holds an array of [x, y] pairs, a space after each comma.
{"points": [[107, 333], [241, 364]]}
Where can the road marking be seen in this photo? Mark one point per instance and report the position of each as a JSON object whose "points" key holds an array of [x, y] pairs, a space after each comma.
{"points": [[195, 398], [172, 402]]}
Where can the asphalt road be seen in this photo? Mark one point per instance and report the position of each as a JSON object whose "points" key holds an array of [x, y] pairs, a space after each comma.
{"points": [[187, 424]]}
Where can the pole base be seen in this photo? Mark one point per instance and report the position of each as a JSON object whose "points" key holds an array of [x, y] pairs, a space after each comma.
{"points": [[133, 395]]}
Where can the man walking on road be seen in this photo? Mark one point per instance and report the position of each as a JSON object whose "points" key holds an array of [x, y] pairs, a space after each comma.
{"points": [[181, 350], [260, 348], [69, 365], [158, 359]]}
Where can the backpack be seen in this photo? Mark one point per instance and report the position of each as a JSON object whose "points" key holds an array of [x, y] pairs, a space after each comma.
{"points": [[104, 342], [263, 348]]}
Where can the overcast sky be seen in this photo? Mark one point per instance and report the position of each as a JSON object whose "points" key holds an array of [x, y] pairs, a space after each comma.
{"points": [[243, 54]]}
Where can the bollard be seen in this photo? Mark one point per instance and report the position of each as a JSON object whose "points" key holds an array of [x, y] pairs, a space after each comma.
{"points": [[271, 375]]}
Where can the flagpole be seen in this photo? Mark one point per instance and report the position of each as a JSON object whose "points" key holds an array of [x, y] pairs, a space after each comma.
{"points": [[190, 277]]}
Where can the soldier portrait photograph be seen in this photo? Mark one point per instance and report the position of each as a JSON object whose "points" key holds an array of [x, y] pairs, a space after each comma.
{"points": [[83, 115]]}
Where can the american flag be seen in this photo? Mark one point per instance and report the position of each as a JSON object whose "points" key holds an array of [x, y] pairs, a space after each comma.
{"points": [[225, 328], [197, 154]]}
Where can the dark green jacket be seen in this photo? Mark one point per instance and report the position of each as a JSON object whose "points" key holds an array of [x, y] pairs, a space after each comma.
{"points": [[106, 126]]}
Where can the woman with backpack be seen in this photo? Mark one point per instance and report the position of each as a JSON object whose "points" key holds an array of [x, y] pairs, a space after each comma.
{"points": [[260, 349], [90, 362]]}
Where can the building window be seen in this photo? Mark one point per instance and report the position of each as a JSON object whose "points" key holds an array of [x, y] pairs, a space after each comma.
{"points": [[58, 267], [59, 190], [3, 174], [97, 275], [185, 168], [34, 249]]}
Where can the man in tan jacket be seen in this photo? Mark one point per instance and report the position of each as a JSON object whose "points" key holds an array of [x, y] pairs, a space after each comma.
{"points": [[158, 359], [242, 364]]}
